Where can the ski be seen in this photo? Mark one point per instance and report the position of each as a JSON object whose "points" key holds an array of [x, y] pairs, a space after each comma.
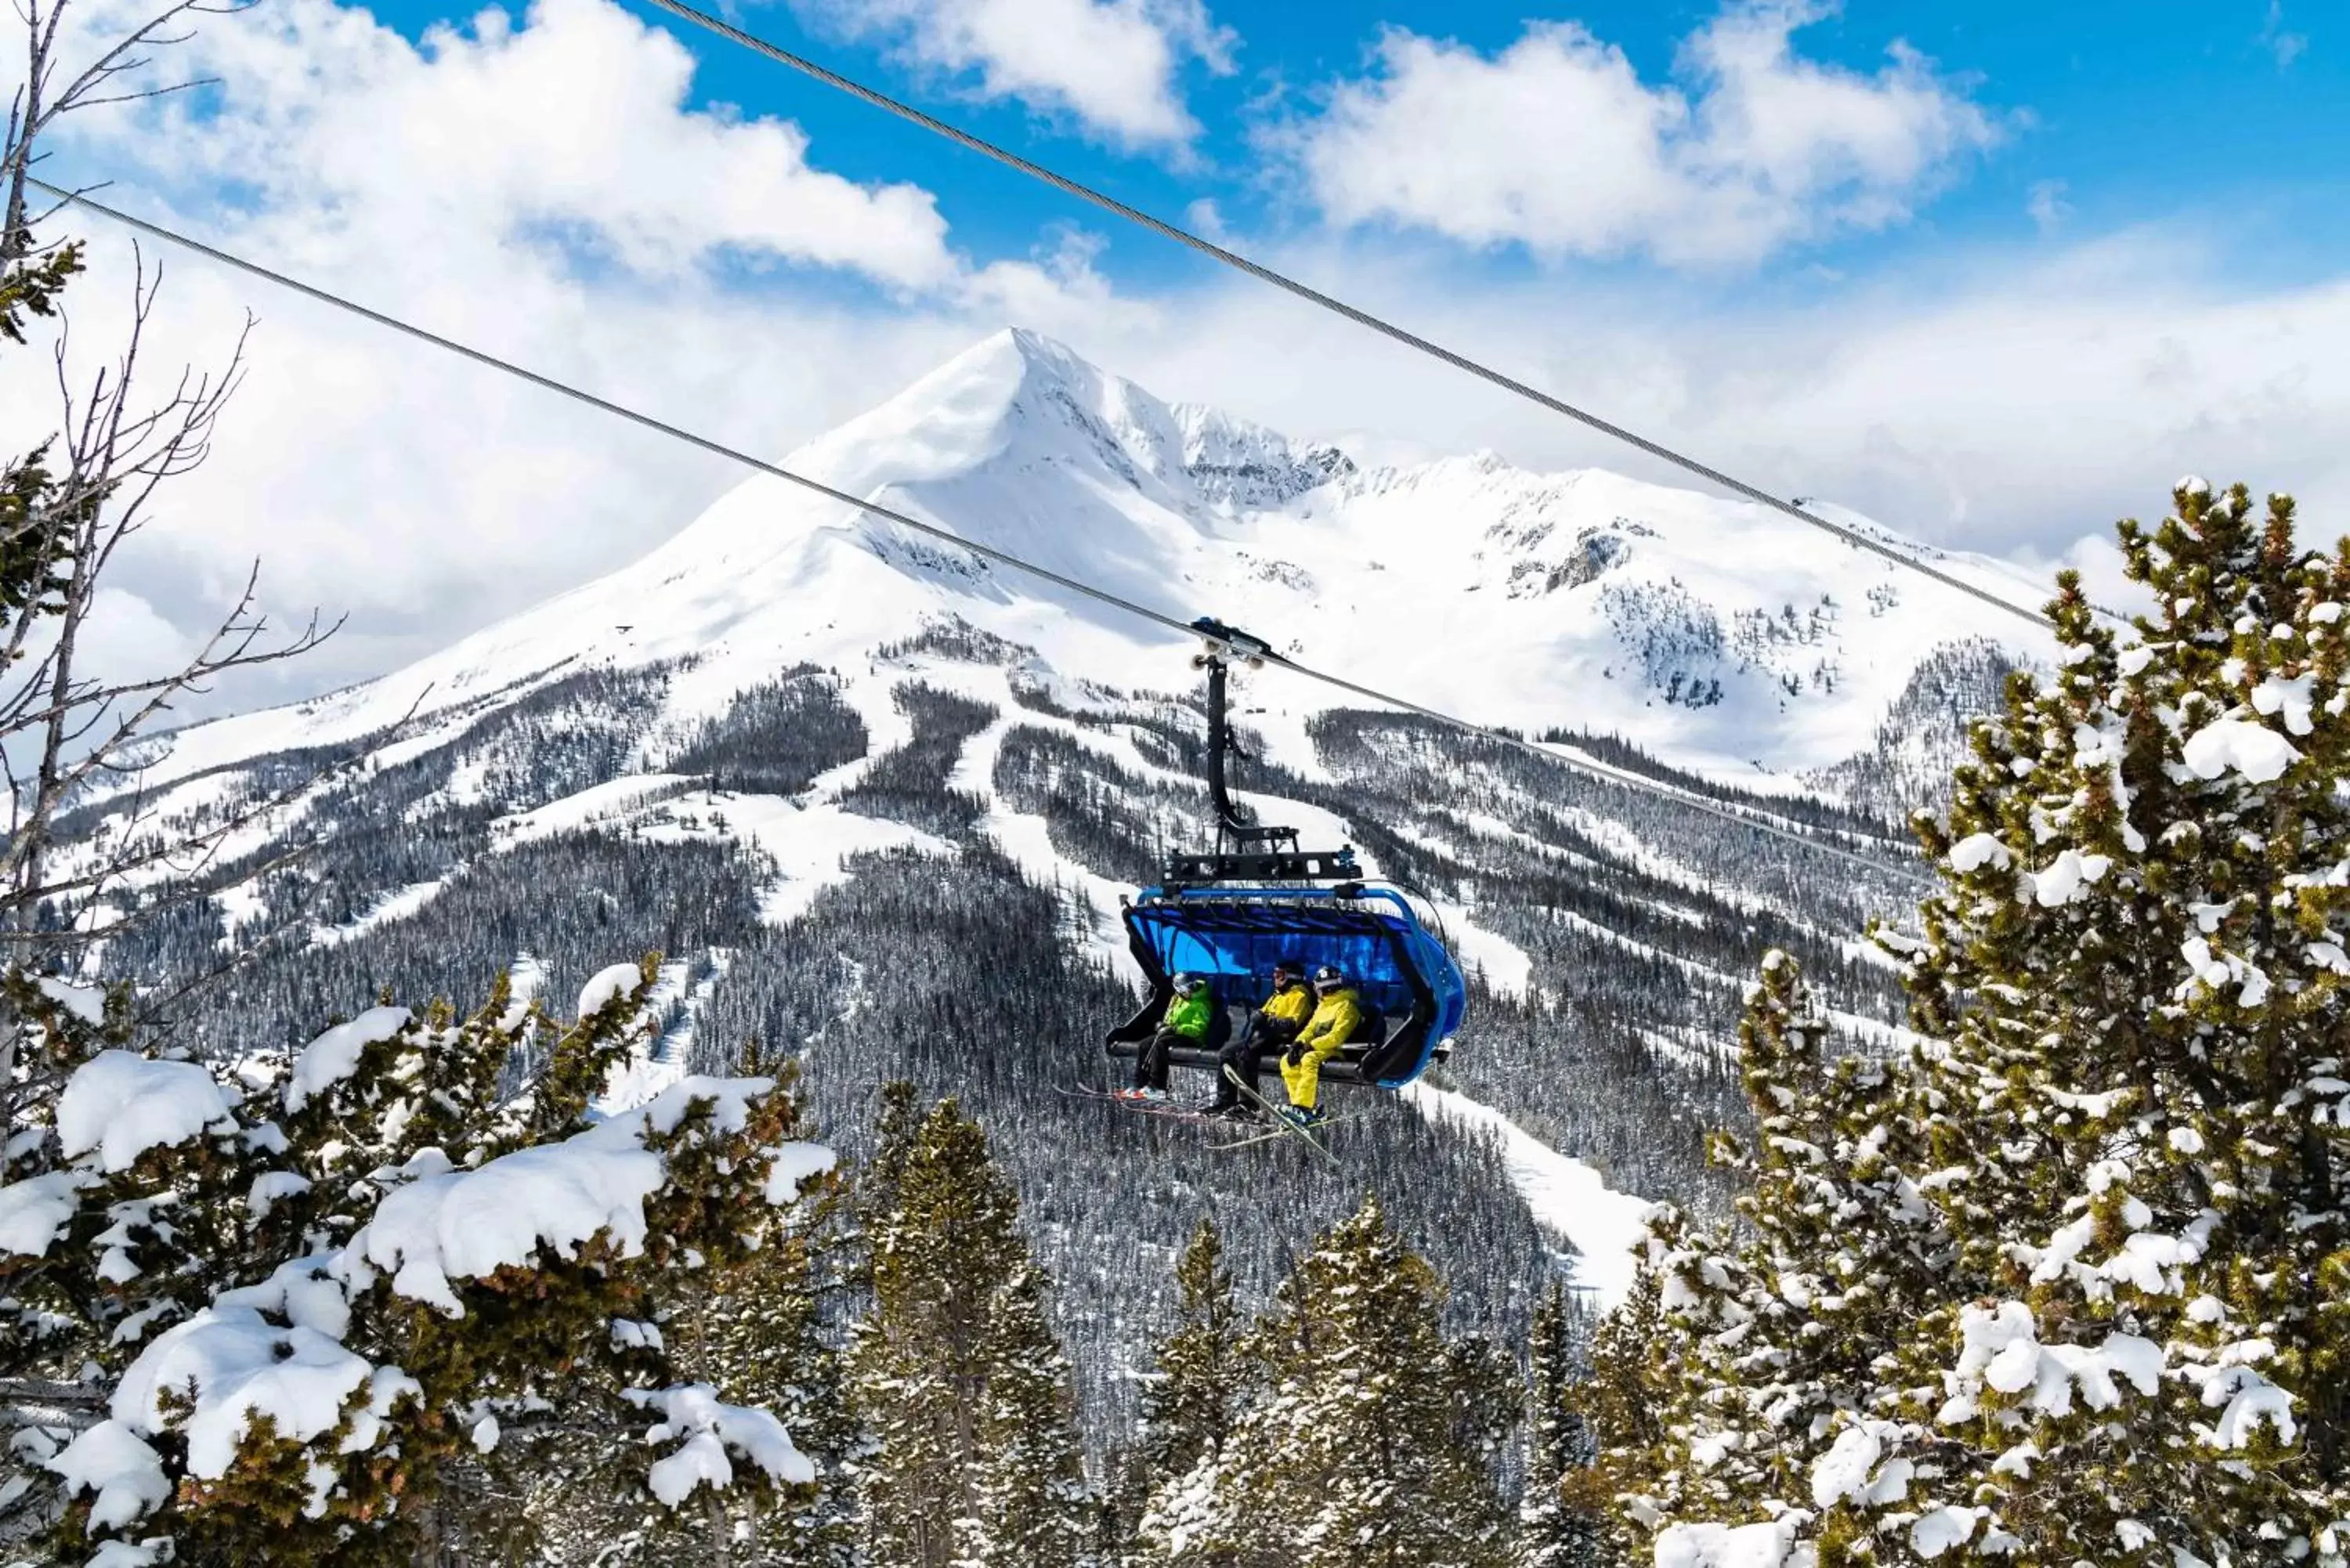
{"points": [[1167, 1109], [1282, 1127], [1282, 1131], [1282, 1123]]}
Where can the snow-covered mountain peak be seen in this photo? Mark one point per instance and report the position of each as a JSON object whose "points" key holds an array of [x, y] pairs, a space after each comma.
{"points": [[1717, 633], [1012, 398], [1016, 399], [1239, 464]]}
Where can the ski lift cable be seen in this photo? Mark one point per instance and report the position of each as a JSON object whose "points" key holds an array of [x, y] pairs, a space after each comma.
{"points": [[1590, 765], [1361, 317]]}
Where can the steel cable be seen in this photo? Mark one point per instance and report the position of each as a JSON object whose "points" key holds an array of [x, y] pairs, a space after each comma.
{"points": [[1590, 765], [1355, 314]]}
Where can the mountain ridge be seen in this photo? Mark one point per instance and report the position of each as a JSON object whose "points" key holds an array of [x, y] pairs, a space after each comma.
{"points": [[878, 804], [1622, 607]]}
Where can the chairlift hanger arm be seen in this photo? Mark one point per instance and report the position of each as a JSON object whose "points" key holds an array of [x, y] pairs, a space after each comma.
{"points": [[1229, 642], [1223, 644]]}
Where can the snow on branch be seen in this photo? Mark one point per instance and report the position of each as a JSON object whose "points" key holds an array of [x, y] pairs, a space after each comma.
{"points": [[308, 1345], [451, 1224], [118, 1105], [1770, 1545], [709, 1432]]}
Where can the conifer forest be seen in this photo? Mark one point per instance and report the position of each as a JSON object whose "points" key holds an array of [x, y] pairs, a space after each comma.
{"points": [[635, 1085], [1980, 1247]]}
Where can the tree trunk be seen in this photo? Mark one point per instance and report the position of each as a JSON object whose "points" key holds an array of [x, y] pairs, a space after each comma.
{"points": [[714, 1512], [428, 1539]]}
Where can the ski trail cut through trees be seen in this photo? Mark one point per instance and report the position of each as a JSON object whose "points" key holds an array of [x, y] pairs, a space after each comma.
{"points": [[1566, 1196]]}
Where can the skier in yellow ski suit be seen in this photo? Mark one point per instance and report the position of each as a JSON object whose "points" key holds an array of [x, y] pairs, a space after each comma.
{"points": [[1338, 1011], [1270, 1028]]}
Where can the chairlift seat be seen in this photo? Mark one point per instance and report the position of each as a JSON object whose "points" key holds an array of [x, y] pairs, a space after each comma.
{"points": [[1413, 994]]}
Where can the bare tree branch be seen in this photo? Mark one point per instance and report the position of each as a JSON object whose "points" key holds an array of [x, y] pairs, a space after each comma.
{"points": [[117, 453], [64, 730]]}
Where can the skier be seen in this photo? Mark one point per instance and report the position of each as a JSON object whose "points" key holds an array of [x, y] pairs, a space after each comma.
{"points": [[1337, 1010], [1273, 1025], [1186, 1023]]}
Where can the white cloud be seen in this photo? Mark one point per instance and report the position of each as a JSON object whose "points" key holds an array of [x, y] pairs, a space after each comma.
{"points": [[126, 638], [2285, 45], [1114, 65], [2104, 578], [568, 130], [2012, 402], [2045, 205], [539, 190], [1557, 143], [2001, 401]]}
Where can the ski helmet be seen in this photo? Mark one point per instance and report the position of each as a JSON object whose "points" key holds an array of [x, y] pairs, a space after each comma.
{"points": [[1327, 978]]}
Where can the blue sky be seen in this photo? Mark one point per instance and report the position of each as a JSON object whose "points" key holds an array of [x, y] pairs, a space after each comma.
{"points": [[2110, 114], [1991, 273]]}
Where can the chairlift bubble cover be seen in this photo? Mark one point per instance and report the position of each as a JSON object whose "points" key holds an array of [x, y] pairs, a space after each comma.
{"points": [[1233, 936]]}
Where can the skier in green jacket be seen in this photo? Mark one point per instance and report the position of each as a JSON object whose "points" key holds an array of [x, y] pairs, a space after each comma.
{"points": [[1185, 1023]]}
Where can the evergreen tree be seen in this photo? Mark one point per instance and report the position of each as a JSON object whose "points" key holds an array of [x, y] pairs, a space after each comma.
{"points": [[973, 1459], [760, 1335], [1631, 1375], [2135, 986], [340, 1307], [1121, 1507], [1190, 1409], [1034, 1510], [2069, 1284], [770, 1341], [1551, 1532], [1774, 1344], [1192, 1406], [1374, 1440]]}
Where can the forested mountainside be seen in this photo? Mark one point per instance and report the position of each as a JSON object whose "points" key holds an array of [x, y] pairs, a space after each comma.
{"points": [[907, 870], [1923, 735], [876, 802]]}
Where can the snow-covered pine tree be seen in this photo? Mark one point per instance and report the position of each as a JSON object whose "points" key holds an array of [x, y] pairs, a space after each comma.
{"points": [[1632, 1374], [2134, 988], [2129, 1121], [769, 1337], [761, 1335], [1777, 1340], [1551, 1533], [1119, 1504], [1034, 1510], [325, 1309], [895, 1133], [973, 1458], [1190, 1409], [1374, 1440]]}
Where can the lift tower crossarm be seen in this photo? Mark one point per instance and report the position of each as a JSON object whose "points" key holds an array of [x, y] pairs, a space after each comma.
{"points": [[1245, 851]]}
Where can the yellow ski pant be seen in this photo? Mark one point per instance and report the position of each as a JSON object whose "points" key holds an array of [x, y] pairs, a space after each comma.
{"points": [[1303, 1081]]}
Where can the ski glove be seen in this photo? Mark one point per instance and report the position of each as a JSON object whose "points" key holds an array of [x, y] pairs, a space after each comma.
{"points": [[1295, 1055]]}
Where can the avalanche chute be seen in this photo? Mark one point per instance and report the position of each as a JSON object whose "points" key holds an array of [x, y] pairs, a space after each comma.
{"points": [[1231, 913]]}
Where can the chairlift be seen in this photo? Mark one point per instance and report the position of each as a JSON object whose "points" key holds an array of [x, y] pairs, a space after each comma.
{"points": [[1229, 914]]}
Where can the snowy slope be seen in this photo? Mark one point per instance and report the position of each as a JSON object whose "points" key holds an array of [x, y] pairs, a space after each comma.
{"points": [[536, 788], [1566, 1196], [1723, 637]]}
